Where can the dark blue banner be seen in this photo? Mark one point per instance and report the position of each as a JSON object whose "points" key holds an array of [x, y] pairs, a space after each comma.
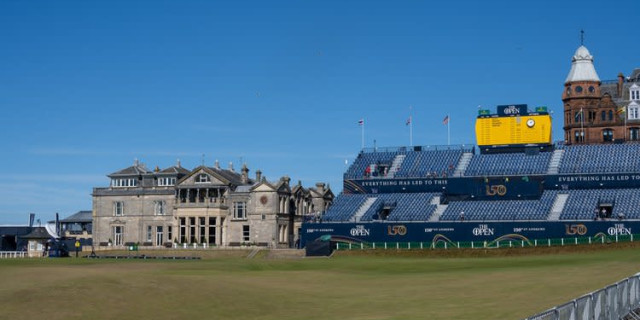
{"points": [[488, 188], [592, 181], [465, 231], [494, 188], [409, 185], [512, 110]]}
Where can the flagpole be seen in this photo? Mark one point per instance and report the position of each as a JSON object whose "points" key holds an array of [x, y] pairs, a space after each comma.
{"points": [[582, 124], [410, 127], [625, 123], [362, 133], [448, 130]]}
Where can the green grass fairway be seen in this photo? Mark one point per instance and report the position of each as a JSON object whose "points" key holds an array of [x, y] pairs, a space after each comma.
{"points": [[348, 286]]}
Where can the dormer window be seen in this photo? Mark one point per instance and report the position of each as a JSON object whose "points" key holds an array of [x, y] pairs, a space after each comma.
{"points": [[123, 183], [634, 93], [203, 178], [166, 181]]}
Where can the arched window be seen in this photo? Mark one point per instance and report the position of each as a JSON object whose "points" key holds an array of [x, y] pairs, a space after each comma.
{"points": [[579, 136], [610, 115], [603, 116], [607, 135]]}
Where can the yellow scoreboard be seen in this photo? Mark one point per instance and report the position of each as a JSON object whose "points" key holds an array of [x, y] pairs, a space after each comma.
{"points": [[516, 130]]}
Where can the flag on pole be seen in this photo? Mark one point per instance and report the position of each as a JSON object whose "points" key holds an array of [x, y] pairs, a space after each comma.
{"points": [[361, 122], [445, 121], [621, 110], [409, 120]]}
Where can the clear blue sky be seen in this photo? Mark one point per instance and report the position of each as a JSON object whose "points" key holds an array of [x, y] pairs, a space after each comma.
{"points": [[87, 86]]}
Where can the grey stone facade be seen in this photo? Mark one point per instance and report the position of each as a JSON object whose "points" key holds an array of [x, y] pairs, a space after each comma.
{"points": [[206, 206]]}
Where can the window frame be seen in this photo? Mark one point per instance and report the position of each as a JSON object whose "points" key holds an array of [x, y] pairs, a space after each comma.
{"points": [[124, 183], [159, 207], [166, 181], [200, 178], [633, 111], [240, 210], [246, 233], [118, 208], [607, 135]]}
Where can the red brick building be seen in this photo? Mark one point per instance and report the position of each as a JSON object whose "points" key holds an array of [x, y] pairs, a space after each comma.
{"points": [[598, 111]]}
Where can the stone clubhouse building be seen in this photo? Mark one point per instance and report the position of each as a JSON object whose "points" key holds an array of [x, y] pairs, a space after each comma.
{"points": [[206, 206]]}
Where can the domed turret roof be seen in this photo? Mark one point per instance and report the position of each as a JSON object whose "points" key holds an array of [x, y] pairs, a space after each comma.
{"points": [[582, 67]]}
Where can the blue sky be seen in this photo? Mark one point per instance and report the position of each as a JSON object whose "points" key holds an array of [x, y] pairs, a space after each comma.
{"points": [[88, 86]]}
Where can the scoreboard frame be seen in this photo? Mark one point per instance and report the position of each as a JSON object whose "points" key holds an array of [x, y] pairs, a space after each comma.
{"points": [[521, 129]]}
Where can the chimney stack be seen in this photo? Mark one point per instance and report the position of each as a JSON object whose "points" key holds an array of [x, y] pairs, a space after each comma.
{"points": [[258, 175], [230, 166], [620, 84], [245, 173], [320, 186]]}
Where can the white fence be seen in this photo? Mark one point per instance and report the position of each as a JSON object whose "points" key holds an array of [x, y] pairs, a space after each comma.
{"points": [[616, 301], [13, 254]]}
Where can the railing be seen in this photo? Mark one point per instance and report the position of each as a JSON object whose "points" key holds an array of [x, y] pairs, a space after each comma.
{"points": [[613, 302], [463, 147], [13, 254], [444, 243]]}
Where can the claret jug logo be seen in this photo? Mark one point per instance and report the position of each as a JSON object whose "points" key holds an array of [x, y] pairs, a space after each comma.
{"points": [[619, 230], [483, 230], [399, 230], [360, 230], [573, 229]]}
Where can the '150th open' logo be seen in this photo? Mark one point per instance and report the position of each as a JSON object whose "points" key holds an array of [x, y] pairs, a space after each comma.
{"points": [[499, 189], [397, 230], [579, 229]]}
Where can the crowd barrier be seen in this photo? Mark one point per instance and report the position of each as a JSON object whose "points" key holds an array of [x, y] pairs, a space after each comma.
{"points": [[12, 254], [507, 243], [617, 301]]}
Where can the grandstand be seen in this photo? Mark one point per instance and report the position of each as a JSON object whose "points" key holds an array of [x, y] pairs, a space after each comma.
{"points": [[576, 202], [459, 187], [515, 183]]}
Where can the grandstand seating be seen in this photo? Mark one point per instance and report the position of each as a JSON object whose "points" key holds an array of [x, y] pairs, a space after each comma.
{"points": [[606, 158], [508, 164], [364, 159], [429, 163], [582, 203], [426, 162], [344, 206], [403, 207], [501, 210], [575, 159]]}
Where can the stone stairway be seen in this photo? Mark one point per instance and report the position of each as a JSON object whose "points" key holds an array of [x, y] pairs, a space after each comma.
{"points": [[363, 208], [463, 164], [554, 163], [558, 206], [440, 208], [395, 165]]}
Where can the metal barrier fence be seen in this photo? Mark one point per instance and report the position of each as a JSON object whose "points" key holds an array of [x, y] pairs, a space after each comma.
{"points": [[504, 243], [617, 301], [13, 254]]}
